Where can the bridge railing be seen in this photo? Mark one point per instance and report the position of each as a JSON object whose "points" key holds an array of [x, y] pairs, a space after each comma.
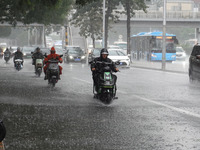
{"points": [[178, 15]]}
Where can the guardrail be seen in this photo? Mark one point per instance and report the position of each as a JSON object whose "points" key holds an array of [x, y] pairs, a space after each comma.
{"points": [[178, 15]]}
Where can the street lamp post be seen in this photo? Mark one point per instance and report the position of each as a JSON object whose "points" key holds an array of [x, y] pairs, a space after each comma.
{"points": [[164, 37], [103, 40]]}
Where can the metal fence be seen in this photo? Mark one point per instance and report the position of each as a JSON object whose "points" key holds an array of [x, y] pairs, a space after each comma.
{"points": [[178, 15]]}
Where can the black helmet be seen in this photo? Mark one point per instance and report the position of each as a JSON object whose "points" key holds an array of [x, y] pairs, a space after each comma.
{"points": [[37, 49], [104, 51], [18, 48]]}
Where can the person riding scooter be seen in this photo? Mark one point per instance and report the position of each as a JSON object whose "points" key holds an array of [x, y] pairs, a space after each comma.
{"points": [[18, 55], [37, 55], [53, 55], [95, 66], [7, 54]]}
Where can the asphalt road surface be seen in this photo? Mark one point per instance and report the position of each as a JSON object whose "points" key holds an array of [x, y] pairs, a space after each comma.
{"points": [[155, 110]]}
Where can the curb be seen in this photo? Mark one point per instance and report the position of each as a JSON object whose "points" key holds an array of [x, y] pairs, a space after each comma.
{"points": [[172, 71]]}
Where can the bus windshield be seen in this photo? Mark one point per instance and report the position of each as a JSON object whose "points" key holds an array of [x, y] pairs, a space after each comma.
{"points": [[158, 44]]}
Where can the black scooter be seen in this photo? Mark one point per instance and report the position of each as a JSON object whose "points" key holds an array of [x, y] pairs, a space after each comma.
{"points": [[106, 88]]}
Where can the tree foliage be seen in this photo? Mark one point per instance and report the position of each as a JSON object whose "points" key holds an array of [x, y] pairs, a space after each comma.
{"points": [[90, 23], [130, 7], [34, 11]]}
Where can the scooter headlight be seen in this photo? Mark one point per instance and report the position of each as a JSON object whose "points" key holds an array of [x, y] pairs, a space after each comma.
{"points": [[173, 56]]}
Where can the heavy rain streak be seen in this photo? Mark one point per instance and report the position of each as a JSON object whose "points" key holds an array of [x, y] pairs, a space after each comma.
{"points": [[99, 75]]}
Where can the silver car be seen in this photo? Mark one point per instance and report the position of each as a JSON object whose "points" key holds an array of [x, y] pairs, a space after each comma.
{"points": [[180, 54]]}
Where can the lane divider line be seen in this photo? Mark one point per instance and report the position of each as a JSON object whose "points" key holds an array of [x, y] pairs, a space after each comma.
{"points": [[169, 106], [154, 102]]}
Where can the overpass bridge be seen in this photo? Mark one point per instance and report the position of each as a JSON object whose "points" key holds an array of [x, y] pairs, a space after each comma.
{"points": [[154, 19], [173, 19]]}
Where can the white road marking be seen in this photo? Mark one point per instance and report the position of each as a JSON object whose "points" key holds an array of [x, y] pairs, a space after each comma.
{"points": [[168, 106], [151, 101], [160, 71]]}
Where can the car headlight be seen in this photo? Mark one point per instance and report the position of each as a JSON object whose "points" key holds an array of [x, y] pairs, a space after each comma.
{"points": [[153, 55], [83, 57], [24, 54], [173, 56], [71, 57]]}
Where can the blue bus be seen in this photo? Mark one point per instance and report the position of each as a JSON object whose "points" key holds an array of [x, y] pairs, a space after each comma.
{"points": [[148, 46]]}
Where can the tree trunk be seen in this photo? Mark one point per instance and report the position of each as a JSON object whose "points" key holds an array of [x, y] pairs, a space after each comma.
{"points": [[128, 26], [108, 12], [93, 40]]}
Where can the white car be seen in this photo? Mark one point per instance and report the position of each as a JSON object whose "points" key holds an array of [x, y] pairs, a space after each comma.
{"points": [[180, 54], [118, 55], [114, 47]]}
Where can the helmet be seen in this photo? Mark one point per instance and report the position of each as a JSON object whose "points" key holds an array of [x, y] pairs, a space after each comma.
{"points": [[37, 49], [18, 48], [104, 51], [53, 51]]}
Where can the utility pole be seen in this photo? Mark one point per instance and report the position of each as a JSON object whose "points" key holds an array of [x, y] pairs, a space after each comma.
{"points": [[164, 37], [103, 40]]}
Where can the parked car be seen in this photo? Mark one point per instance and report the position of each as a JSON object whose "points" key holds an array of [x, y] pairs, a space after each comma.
{"points": [[94, 54], [180, 54], [117, 55], [194, 64], [74, 54]]}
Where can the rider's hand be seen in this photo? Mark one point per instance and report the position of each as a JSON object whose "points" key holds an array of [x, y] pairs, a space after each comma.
{"points": [[93, 69], [116, 69]]}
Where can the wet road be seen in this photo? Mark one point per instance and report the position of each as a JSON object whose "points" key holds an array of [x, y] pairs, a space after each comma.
{"points": [[155, 110]]}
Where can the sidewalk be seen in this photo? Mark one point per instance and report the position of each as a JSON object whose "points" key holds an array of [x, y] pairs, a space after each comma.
{"points": [[176, 66]]}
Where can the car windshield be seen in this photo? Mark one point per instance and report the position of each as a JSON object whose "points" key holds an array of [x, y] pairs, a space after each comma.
{"points": [[45, 50], [116, 53], [59, 51], [114, 47], [179, 49], [75, 50], [28, 49], [58, 46], [96, 52], [123, 46]]}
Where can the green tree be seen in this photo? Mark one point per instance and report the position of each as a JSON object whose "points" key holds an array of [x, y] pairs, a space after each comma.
{"points": [[110, 17], [130, 6], [90, 23], [34, 11]]}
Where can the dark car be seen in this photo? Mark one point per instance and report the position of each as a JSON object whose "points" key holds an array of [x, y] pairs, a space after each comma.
{"points": [[27, 51], [94, 54], [74, 54], [194, 64]]}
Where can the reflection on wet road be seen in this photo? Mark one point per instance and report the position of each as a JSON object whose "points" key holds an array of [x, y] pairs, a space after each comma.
{"points": [[155, 110]]}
